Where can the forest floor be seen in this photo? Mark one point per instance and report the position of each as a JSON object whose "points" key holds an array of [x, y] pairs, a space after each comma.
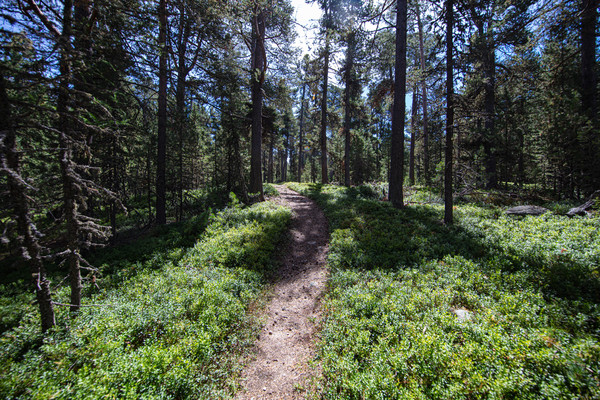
{"points": [[281, 367]]}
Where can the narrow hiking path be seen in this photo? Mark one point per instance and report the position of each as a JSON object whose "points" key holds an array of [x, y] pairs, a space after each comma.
{"points": [[285, 346]]}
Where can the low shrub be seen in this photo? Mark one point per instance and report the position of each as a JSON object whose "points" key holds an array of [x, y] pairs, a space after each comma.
{"points": [[270, 190], [174, 328], [491, 307]]}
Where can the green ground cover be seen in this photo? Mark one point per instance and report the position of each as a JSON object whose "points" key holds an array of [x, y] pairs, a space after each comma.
{"points": [[172, 321], [399, 278]]}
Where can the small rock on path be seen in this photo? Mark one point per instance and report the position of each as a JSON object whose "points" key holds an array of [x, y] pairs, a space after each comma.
{"points": [[286, 343]]}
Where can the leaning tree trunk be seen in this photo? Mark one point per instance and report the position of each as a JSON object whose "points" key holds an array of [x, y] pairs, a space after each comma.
{"points": [[258, 76], [17, 187], [397, 150]]}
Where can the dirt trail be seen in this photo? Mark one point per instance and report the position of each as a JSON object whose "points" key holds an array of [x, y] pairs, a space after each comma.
{"points": [[280, 369]]}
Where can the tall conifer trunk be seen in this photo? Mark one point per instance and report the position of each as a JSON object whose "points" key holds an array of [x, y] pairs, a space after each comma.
{"points": [[71, 188], [426, 171], [270, 161], [448, 187], [591, 141], [301, 135], [413, 137], [161, 163], [258, 76], [490, 115], [349, 67], [488, 61], [286, 149], [397, 150], [182, 71], [323, 133], [589, 16]]}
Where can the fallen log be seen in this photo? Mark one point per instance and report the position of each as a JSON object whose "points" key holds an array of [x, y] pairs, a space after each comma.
{"points": [[583, 209], [526, 210]]}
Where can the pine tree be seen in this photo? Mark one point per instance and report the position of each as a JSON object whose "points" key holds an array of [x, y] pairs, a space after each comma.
{"points": [[397, 148]]}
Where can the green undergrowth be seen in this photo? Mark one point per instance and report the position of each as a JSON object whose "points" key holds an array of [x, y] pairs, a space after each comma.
{"points": [[527, 290], [270, 190], [172, 325]]}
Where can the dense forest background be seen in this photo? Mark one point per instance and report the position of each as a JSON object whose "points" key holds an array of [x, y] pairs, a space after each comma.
{"points": [[119, 115]]}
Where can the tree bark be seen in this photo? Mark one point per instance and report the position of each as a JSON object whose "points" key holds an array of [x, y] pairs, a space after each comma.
{"points": [[31, 249], [490, 119], [591, 142], [161, 162], [349, 67], [489, 112], [182, 71], [588, 57], [448, 187], [70, 187], [426, 171], [270, 162], [258, 76], [301, 135], [286, 146], [323, 134], [413, 134], [397, 150]]}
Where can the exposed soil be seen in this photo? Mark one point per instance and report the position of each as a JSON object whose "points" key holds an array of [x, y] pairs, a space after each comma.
{"points": [[281, 369]]}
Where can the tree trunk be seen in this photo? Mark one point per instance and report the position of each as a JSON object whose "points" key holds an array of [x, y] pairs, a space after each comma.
{"points": [[270, 166], [413, 134], [448, 187], [323, 135], [588, 57], [349, 67], [347, 104], [591, 142], [182, 71], [161, 162], [258, 76], [426, 172], [301, 137], [149, 178], [71, 190], [313, 168], [286, 144], [31, 249], [489, 71], [397, 150]]}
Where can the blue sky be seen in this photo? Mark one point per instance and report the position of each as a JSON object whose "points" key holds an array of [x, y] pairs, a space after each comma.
{"points": [[306, 15]]}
